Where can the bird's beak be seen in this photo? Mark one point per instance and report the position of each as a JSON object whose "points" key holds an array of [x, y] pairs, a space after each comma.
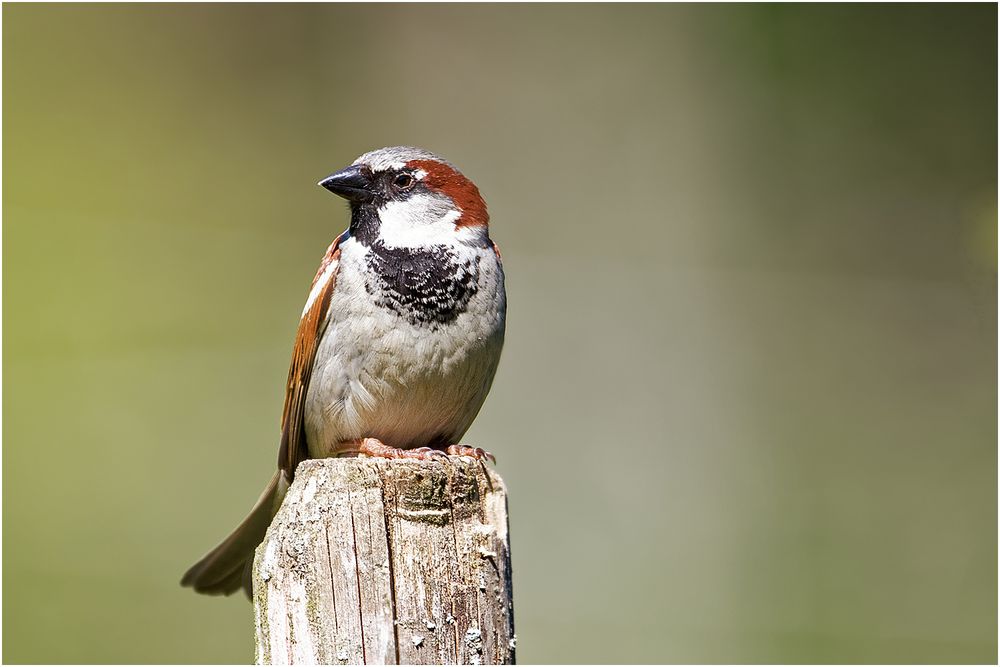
{"points": [[353, 184]]}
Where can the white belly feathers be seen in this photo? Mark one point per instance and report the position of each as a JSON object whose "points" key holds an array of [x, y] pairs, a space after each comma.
{"points": [[407, 381]]}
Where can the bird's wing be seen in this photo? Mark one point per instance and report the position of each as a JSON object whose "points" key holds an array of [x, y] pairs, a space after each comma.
{"points": [[227, 567], [315, 316]]}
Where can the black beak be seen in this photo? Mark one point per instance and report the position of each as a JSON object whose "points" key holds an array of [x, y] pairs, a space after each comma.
{"points": [[353, 184]]}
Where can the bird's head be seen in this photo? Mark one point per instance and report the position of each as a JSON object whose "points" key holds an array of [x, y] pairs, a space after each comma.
{"points": [[409, 197]]}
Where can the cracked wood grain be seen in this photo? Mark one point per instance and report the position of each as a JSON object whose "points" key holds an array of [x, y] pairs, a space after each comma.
{"points": [[374, 561]]}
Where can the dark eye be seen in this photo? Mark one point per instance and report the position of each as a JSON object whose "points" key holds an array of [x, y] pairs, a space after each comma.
{"points": [[404, 181]]}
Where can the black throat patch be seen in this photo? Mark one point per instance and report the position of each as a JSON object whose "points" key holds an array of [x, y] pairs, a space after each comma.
{"points": [[425, 285]]}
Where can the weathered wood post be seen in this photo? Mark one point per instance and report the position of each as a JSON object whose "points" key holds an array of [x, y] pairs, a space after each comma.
{"points": [[374, 561]]}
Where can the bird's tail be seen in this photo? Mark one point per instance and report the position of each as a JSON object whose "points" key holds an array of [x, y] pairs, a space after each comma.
{"points": [[227, 567]]}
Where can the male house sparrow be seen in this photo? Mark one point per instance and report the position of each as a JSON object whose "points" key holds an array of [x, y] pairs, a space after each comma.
{"points": [[399, 338]]}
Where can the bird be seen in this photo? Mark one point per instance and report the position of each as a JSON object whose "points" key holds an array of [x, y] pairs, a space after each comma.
{"points": [[399, 340]]}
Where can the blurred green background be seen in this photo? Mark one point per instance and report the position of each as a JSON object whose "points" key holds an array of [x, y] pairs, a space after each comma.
{"points": [[747, 408]]}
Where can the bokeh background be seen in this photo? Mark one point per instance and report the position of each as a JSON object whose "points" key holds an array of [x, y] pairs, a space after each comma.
{"points": [[747, 408]]}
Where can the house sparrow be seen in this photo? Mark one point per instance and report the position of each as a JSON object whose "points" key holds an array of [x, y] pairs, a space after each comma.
{"points": [[399, 338]]}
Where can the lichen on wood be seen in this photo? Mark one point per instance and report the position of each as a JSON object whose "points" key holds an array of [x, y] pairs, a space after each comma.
{"points": [[374, 561]]}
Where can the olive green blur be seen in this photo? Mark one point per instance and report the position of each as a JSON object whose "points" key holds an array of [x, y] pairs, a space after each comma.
{"points": [[747, 407]]}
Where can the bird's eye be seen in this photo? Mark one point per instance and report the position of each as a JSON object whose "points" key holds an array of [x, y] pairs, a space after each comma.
{"points": [[404, 181]]}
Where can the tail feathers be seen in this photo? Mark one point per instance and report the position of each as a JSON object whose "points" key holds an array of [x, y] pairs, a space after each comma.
{"points": [[226, 567]]}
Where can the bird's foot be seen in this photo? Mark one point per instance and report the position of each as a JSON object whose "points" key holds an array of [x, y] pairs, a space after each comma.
{"points": [[477, 453], [378, 449]]}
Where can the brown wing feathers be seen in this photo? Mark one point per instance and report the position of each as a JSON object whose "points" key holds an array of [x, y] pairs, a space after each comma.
{"points": [[293, 440], [226, 567]]}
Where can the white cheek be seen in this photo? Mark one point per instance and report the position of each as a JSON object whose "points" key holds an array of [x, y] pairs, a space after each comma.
{"points": [[420, 220]]}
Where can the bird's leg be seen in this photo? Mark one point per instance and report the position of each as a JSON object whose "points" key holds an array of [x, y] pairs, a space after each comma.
{"points": [[477, 453], [378, 449]]}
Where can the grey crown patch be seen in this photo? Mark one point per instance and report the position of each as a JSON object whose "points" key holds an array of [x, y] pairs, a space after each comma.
{"points": [[424, 285]]}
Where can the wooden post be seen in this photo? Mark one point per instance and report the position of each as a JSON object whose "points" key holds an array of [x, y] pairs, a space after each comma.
{"points": [[374, 561]]}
